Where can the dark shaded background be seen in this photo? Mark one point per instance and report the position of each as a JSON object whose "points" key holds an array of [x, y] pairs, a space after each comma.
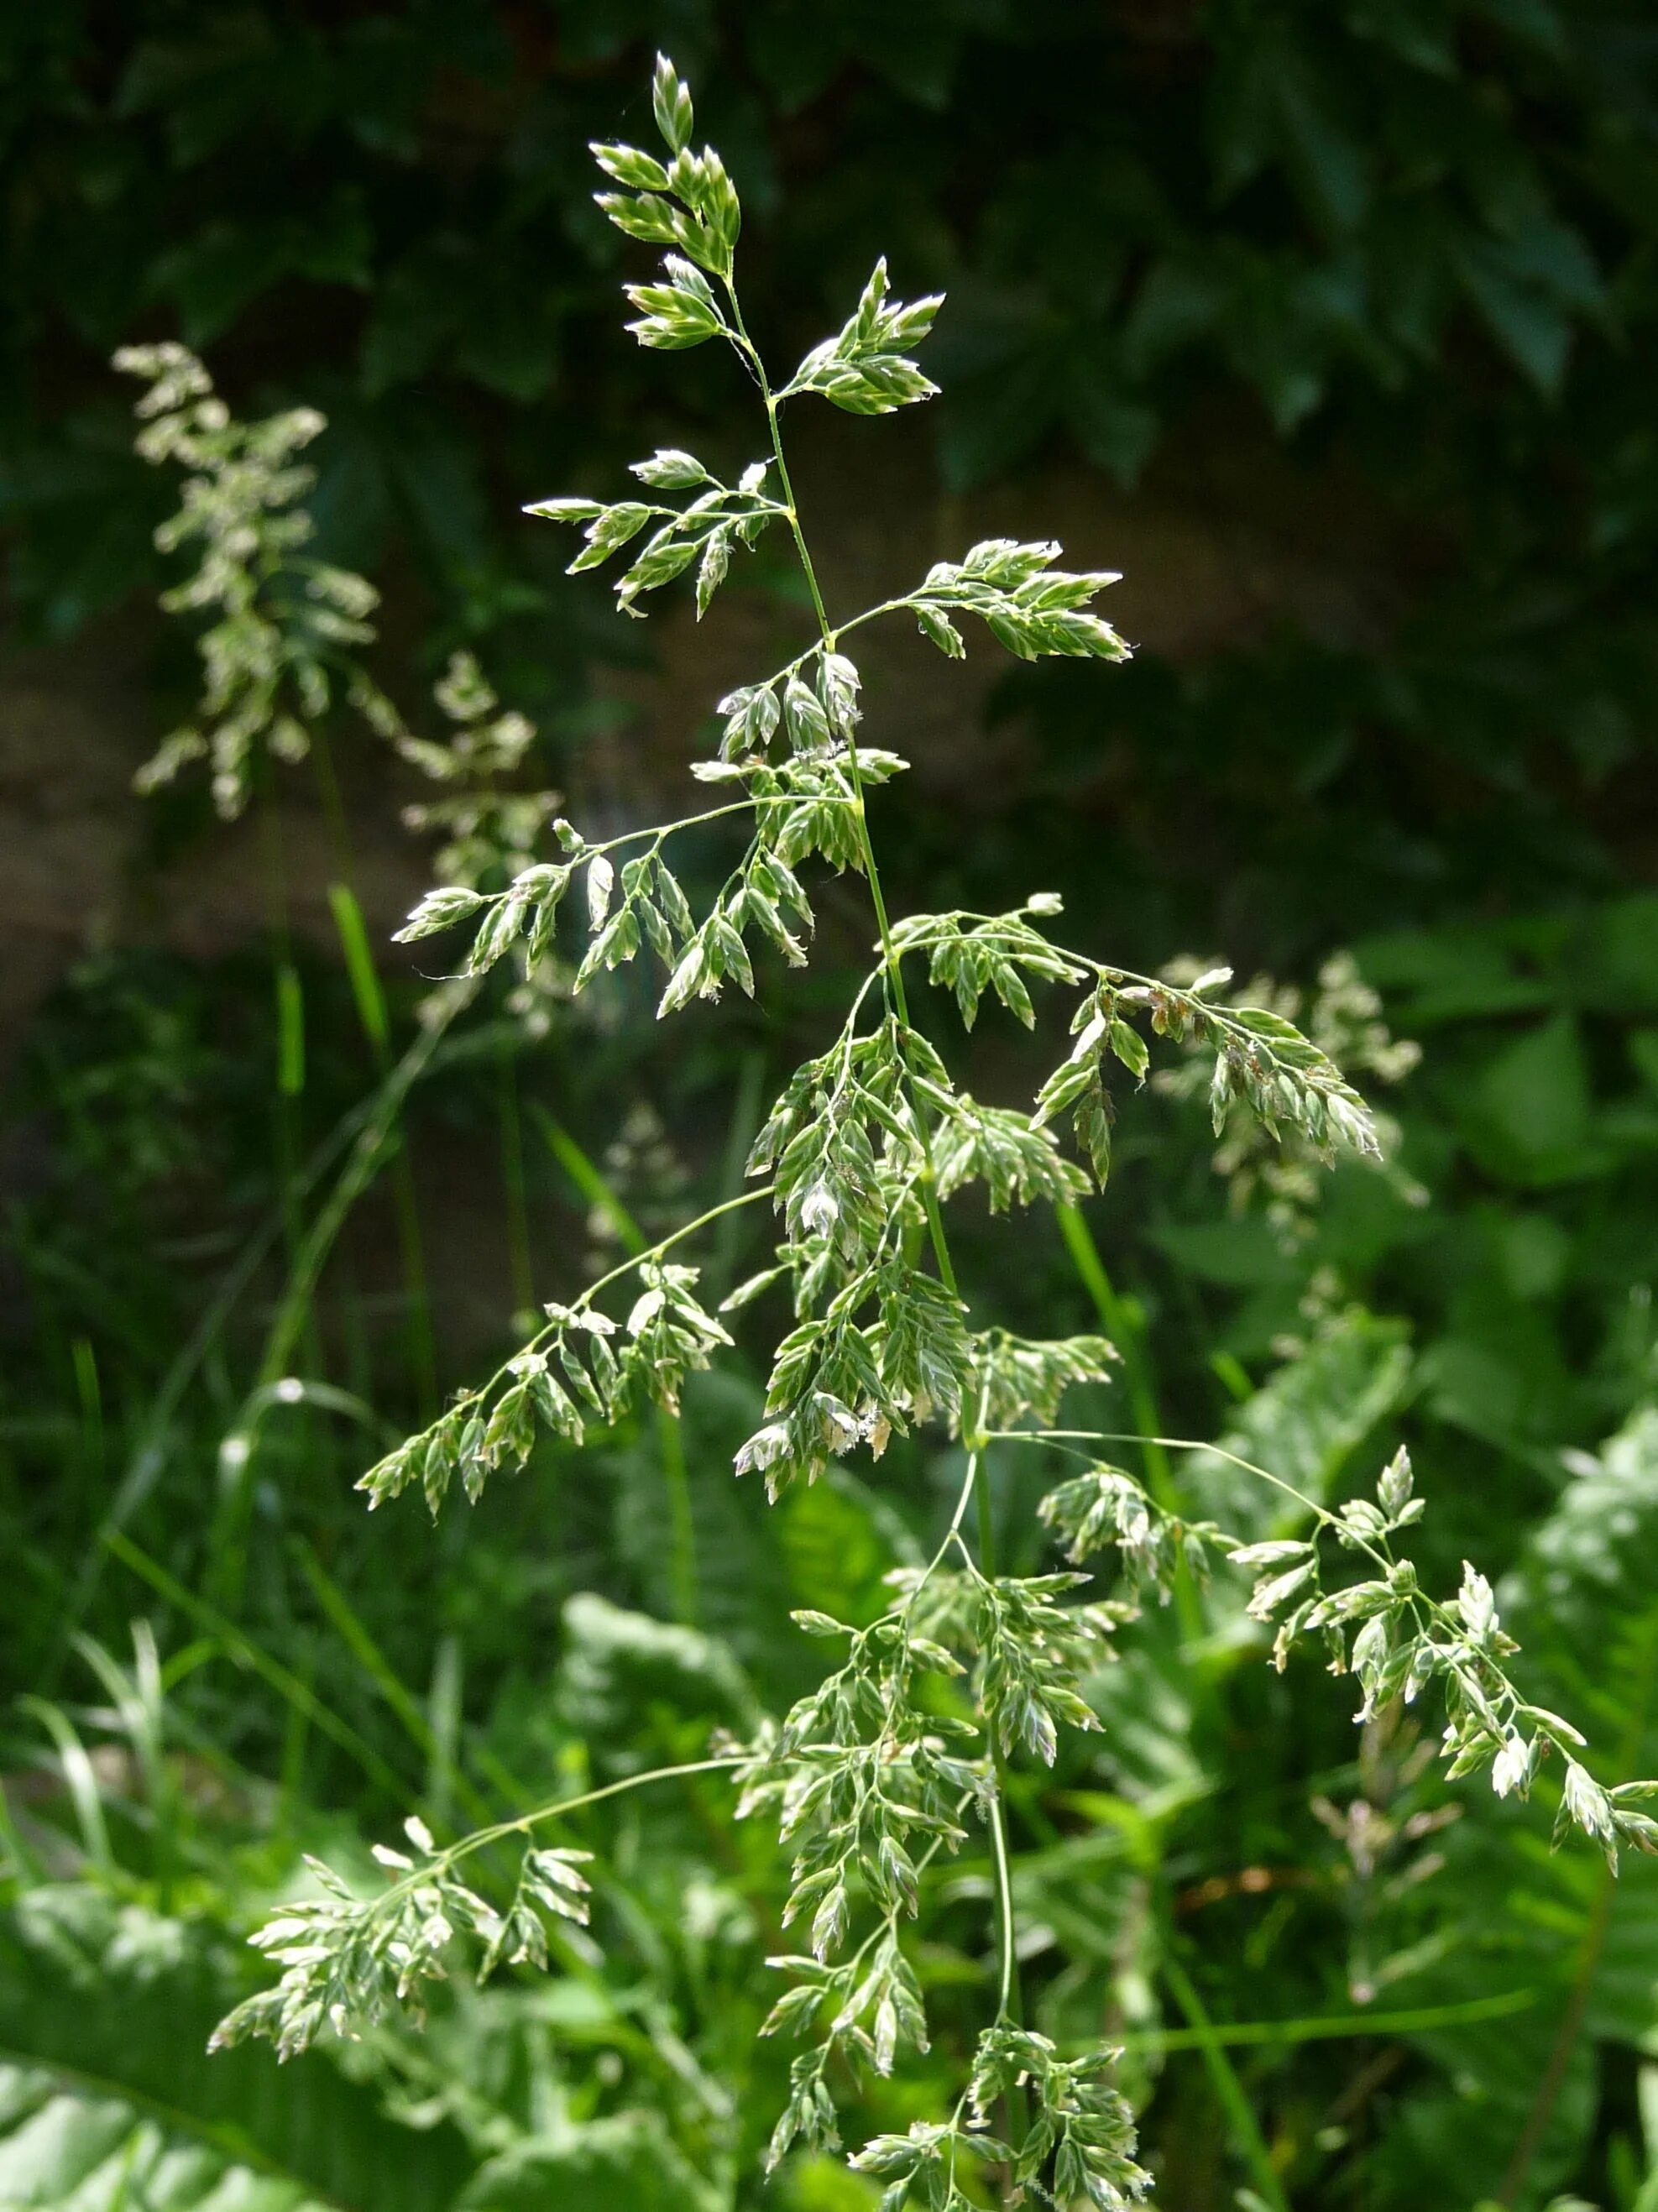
{"points": [[1330, 322], [1329, 326]]}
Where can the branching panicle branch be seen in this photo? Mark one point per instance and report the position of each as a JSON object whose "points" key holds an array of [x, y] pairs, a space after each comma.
{"points": [[885, 1764]]}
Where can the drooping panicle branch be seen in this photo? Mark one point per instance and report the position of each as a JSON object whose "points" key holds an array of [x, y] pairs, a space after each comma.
{"points": [[886, 1765]]}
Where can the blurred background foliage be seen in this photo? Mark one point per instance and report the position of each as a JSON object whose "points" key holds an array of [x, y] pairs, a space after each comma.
{"points": [[1331, 322]]}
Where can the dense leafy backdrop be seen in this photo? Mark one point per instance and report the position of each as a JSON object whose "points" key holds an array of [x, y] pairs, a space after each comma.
{"points": [[1381, 276]]}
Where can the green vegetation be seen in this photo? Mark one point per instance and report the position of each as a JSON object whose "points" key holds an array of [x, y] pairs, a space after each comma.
{"points": [[1090, 1889]]}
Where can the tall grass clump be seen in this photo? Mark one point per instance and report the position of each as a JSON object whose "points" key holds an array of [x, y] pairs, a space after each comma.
{"points": [[914, 1739]]}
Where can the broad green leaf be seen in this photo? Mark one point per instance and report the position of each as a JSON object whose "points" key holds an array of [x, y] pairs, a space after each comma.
{"points": [[621, 2163], [104, 2015]]}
